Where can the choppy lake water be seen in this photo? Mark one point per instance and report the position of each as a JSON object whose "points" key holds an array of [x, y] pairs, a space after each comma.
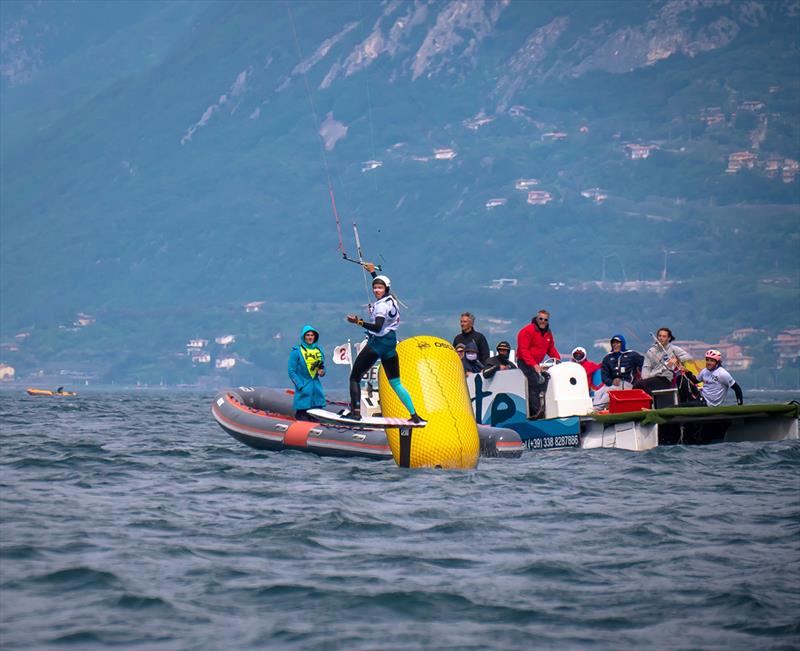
{"points": [[132, 520]]}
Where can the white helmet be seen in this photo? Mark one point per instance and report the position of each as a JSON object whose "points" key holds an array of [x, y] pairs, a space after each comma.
{"points": [[579, 349], [382, 279]]}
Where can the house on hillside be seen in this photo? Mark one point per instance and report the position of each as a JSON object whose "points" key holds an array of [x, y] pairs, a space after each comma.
{"points": [[494, 203], [83, 320], [734, 357], [225, 340], [739, 159], [742, 333], [595, 194], [712, 115], [554, 136], [539, 197], [444, 154], [752, 105], [638, 152], [6, 373], [226, 363], [254, 306], [368, 165], [478, 121], [773, 165], [790, 170], [787, 346], [526, 184]]}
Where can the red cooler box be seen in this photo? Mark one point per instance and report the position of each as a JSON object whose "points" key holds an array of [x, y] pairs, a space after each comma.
{"points": [[628, 400]]}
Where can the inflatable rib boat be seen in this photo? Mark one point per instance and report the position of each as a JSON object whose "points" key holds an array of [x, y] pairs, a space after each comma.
{"points": [[263, 418]]}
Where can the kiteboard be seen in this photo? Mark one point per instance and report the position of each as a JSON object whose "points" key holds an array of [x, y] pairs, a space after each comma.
{"points": [[366, 422]]}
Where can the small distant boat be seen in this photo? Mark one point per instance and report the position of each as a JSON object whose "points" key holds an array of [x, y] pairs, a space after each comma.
{"points": [[31, 391]]}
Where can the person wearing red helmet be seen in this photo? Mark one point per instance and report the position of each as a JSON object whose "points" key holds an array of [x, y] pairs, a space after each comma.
{"points": [[716, 381]]}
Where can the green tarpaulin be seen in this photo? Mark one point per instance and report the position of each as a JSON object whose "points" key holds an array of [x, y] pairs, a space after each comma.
{"points": [[678, 414]]}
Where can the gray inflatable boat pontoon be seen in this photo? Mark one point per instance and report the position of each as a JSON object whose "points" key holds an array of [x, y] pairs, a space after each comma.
{"points": [[263, 418]]}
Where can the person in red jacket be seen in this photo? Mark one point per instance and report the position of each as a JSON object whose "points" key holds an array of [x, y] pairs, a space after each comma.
{"points": [[579, 357], [534, 342]]}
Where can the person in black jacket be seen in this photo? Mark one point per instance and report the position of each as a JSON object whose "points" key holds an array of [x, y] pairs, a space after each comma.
{"points": [[470, 361], [499, 362], [468, 333], [621, 367]]}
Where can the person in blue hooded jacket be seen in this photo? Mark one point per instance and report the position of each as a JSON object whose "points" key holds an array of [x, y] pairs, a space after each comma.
{"points": [[306, 367], [621, 367]]}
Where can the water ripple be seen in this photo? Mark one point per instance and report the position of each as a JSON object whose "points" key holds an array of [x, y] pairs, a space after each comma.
{"points": [[132, 520]]}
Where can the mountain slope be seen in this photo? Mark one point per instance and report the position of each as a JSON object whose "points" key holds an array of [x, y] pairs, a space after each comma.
{"points": [[166, 155]]}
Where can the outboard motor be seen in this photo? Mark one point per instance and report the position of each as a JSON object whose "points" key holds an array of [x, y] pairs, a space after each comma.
{"points": [[567, 392]]}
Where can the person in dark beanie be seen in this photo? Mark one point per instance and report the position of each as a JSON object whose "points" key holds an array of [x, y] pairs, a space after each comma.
{"points": [[499, 362]]}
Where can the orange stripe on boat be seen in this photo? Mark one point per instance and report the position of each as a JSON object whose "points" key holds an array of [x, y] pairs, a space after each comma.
{"points": [[239, 427], [297, 434]]}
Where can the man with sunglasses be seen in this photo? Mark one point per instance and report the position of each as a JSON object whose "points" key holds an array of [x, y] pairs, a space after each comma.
{"points": [[534, 342]]}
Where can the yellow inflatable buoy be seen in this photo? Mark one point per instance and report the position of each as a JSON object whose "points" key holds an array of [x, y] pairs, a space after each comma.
{"points": [[432, 372]]}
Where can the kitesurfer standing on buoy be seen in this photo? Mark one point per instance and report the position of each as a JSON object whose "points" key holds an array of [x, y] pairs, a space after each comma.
{"points": [[381, 344]]}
